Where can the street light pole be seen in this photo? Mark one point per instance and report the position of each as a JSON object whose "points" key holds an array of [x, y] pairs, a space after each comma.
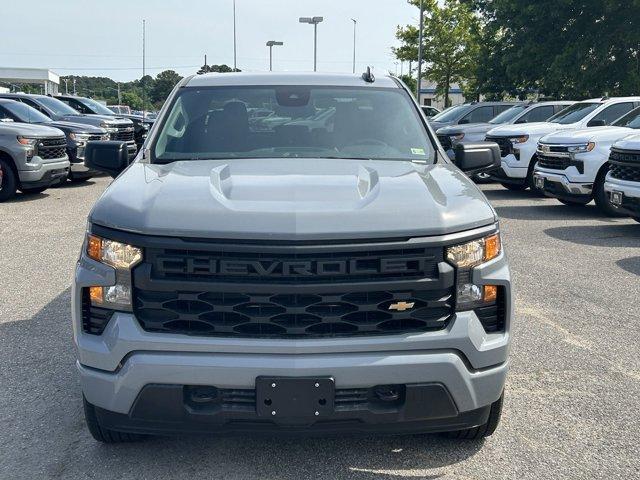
{"points": [[271, 44], [313, 21], [354, 43], [234, 37]]}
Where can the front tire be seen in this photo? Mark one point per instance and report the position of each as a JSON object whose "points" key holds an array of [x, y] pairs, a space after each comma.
{"points": [[8, 181], [482, 431], [602, 199], [105, 435]]}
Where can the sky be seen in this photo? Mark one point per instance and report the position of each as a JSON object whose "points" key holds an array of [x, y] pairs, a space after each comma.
{"points": [[104, 38]]}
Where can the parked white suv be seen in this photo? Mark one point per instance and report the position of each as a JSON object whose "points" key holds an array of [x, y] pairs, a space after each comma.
{"points": [[572, 165], [518, 143], [623, 180], [476, 132]]}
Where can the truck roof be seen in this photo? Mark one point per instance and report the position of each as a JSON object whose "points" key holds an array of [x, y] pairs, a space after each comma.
{"points": [[289, 78]]}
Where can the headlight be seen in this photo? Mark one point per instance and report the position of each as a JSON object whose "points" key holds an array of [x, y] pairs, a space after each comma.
{"points": [[109, 127], [472, 254], [465, 257], [586, 147], [520, 139], [122, 258], [79, 137], [27, 140]]}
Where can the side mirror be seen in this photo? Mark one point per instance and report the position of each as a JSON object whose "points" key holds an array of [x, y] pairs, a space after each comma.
{"points": [[463, 121], [110, 157], [596, 123], [479, 157]]}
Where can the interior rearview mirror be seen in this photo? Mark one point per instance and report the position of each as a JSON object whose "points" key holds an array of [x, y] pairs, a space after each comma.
{"points": [[110, 157], [474, 158]]}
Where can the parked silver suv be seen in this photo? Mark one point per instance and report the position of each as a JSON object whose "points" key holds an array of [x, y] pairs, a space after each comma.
{"points": [[32, 157], [343, 276]]}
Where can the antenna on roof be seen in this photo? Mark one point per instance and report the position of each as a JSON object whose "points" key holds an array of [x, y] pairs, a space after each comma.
{"points": [[367, 76]]}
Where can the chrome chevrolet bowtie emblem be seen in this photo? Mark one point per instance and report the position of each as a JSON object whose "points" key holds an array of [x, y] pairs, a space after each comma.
{"points": [[401, 306]]}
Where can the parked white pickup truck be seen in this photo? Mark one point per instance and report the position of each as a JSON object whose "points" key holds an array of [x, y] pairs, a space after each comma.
{"points": [[572, 165], [623, 180], [518, 143]]}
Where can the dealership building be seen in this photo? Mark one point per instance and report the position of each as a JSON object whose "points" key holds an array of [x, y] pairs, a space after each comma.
{"points": [[12, 78]]}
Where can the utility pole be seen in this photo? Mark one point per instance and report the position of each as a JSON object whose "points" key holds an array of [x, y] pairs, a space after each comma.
{"points": [[66, 86], [420, 51], [74, 85], [234, 37], [354, 43], [119, 98]]}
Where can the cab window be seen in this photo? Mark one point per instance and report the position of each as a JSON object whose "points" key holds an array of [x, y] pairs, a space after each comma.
{"points": [[478, 115]]}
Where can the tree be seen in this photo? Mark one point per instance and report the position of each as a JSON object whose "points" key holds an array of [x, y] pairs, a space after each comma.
{"points": [[164, 83], [216, 68], [132, 99], [450, 44], [568, 48]]}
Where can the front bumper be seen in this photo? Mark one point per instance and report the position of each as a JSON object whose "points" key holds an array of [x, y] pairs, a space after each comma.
{"points": [[43, 174], [557, 185], [630, 194]]}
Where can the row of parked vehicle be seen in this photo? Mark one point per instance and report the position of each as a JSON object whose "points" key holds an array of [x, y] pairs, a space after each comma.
{"points": [[575, 152], [43, 138]]}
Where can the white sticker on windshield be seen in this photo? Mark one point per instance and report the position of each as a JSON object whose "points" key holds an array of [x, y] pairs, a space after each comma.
{"points": [[417, 151]]}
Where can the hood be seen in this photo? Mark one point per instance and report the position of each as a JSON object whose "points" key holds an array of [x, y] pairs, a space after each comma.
{"points": [[293, 199], [77, 127], [532, 129], [30, 129], [466, 128], [584, 135], [631, 142], [437, 125], [95, 120]]}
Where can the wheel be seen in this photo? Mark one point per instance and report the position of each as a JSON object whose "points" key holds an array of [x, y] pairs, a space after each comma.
{"points": [[530, 181], [573, 203], [33, 190], [105, 435], [514, 187], [8, 181], [482, 431], [602, 199]]}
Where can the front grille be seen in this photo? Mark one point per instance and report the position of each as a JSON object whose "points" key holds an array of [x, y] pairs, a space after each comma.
{"points": [[94, 138], [559, 163], [445, 141], [49, 148], [124, 134], [625, 165], [292, 268], [293, 315], [94, 319], [554, 163], [506, 147]]}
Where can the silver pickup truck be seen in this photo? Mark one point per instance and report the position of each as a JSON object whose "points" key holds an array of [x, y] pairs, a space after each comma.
{"points": [[344, 276], [32, 157]]}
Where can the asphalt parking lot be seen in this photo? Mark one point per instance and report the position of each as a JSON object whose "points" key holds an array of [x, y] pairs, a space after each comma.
{"points": [[571, 406]]}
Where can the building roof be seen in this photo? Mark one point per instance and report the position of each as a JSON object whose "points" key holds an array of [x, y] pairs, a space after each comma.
{"points": [[288, 78], [28, 75]]}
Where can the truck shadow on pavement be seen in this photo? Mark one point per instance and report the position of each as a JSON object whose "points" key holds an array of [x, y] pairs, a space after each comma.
{"points": [[618, 235], [504, 194], [44, 435], [546, 212], [631, 265]]}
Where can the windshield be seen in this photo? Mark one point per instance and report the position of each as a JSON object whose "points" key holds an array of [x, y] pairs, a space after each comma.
{"points": [[97, 107], [451, 114], [574, 113], [508, 114], [302, 122], [58, 108], [630, 120], [25, 113]]}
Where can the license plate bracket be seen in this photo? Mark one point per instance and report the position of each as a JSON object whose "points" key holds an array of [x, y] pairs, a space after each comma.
{"points": [[299, 398]]}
